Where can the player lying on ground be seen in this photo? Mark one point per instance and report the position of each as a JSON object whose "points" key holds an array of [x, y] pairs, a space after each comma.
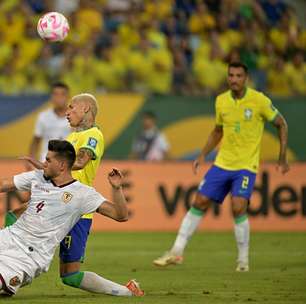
{"points": [[57, 203]]}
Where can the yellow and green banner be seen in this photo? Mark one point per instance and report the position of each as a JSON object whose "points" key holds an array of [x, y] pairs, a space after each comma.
{"points": [[186, 122]]}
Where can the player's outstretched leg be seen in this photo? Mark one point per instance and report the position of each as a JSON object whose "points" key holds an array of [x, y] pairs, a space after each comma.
{"points": [[92, 282], [188, 226], [72, 251], [242, 232]]}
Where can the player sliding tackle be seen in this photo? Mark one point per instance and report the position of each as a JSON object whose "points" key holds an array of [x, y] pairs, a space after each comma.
{"points": [[57, 203]]}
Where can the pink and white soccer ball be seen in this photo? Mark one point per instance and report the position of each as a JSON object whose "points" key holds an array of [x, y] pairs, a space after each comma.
{"points": [[53, 27]]}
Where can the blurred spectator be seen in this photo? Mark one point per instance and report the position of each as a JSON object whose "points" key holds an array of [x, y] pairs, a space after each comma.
{"points": [[201, 20], [181, 74], [150, 46], [128, 32], [296, 71], [151, 69], [266, 56], [211, 71], [15, 22], [285, 35], [110, 70], [12, 82], [278, 81], [37, 81], [50, 62], [157, 9], [89, 15], [227, 38], [155, 36], [150, 144], [80, 75]]}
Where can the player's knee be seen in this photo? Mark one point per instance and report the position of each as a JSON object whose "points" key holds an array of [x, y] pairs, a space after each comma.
{"points": [[239, 206], [73, 279], [239, 210], [201, 202]]}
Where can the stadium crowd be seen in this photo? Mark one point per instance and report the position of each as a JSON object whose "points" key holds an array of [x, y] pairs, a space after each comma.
{"points": [[153, 46]]}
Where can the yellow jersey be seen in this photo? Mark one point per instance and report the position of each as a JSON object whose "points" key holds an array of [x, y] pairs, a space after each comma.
{"points": [[243, 125], [91, 139]]}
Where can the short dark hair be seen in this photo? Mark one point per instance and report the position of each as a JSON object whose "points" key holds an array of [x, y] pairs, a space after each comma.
{"points": [[60, 84], [238, 64], [64, 149], [149, 114]]}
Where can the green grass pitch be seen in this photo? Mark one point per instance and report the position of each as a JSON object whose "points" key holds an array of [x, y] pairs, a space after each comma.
{"points": [[277, 270]]}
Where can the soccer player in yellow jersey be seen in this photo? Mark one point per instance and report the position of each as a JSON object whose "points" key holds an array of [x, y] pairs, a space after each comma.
{"points": [[88, 143], [241, 113]]}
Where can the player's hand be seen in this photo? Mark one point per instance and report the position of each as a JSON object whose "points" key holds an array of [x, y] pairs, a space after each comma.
{"points": [[115, 178], [32, 162], [283, 167], [28, 165], [196, 164]]}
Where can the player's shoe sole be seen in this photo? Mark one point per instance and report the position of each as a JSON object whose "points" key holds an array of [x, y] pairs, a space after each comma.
{"points": [[168, 259], [134, 287]]}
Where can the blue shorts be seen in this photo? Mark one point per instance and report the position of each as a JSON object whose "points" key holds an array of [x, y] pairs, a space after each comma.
{"points": [[72, 247], [218, 182]]}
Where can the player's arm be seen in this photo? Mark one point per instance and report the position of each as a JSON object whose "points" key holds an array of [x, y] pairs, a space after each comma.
{"points": [[7, 184], [282, 128], [34, 146], [270, 113], [213, 140], [34, 162], [83, 157], [117, 209]]}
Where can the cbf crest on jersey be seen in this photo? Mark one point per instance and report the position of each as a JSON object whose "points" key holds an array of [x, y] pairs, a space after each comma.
{"points": [[92, 142], [67, 197], [248, 113]]}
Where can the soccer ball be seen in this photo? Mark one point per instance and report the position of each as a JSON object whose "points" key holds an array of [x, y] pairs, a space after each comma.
{"points": [[53, 27]]}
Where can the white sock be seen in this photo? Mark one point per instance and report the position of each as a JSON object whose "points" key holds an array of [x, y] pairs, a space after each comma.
{"points": [[188, 226], [242, 234], [94, 283]]}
